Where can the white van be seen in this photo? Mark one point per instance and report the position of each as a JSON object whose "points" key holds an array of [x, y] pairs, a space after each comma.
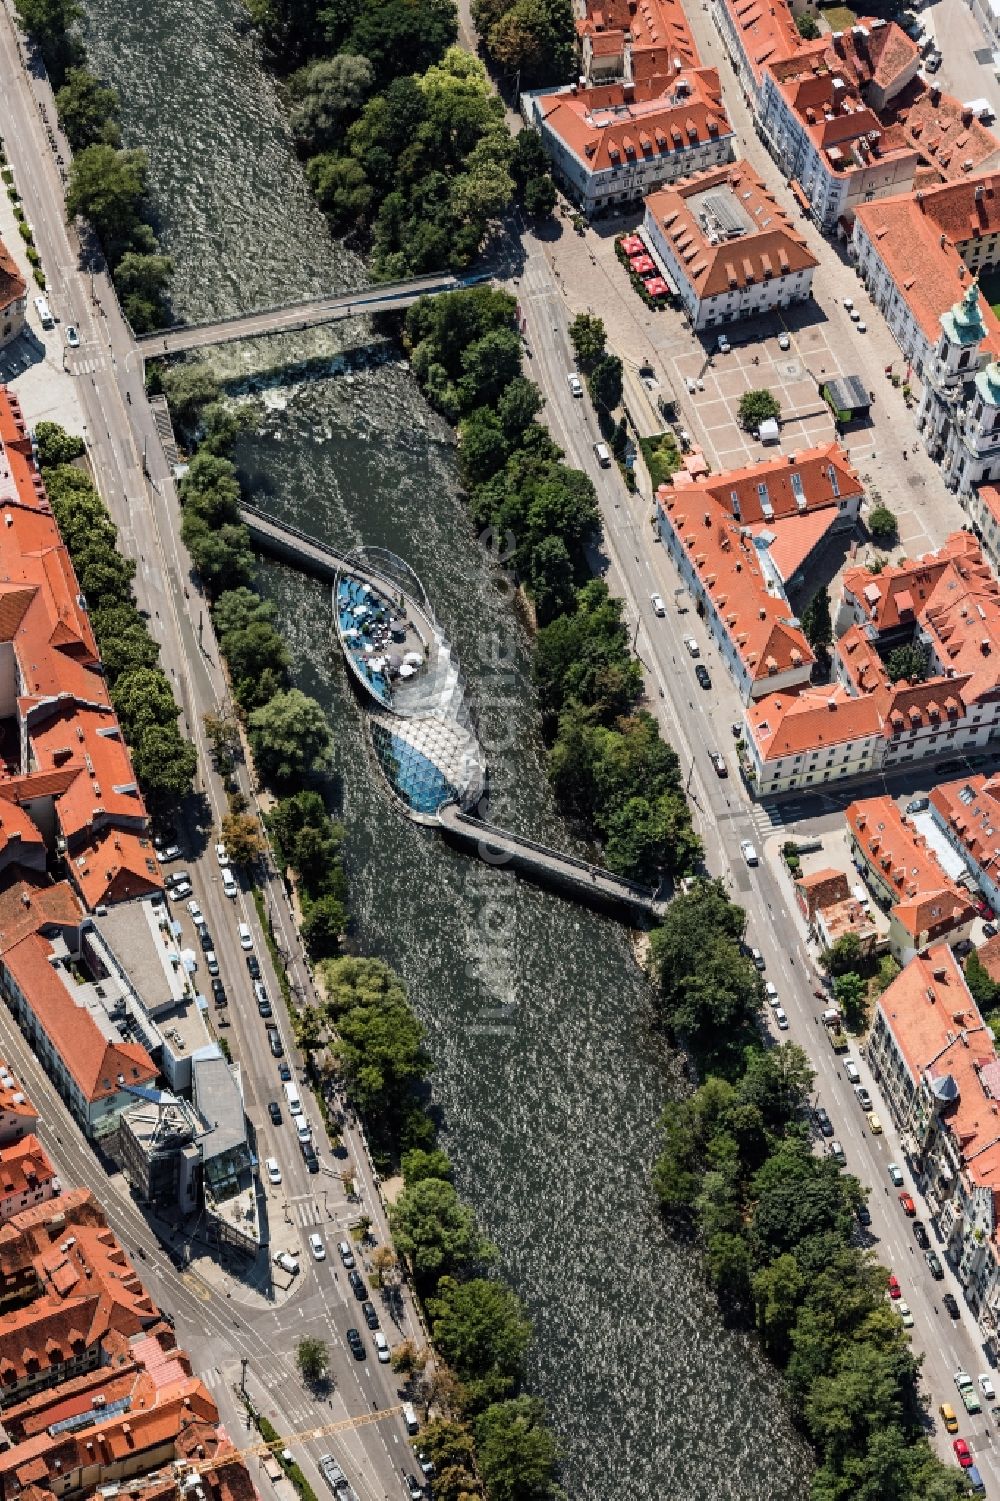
{"points": [[410, 1418], [603, 455], [292, 1097], [229, 885], [246, 938], [44, 313]]}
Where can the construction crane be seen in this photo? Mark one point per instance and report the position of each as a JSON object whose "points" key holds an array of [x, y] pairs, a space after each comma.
{"points": [[276, 1445]]}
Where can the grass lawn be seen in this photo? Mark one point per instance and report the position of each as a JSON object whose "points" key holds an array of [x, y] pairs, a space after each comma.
{"points": [[840, 17], [989, 285], [663, 457]]}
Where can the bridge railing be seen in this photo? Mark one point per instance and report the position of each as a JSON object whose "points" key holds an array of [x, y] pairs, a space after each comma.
{"points": [[293, 531], [375, 293], [499, 836]]}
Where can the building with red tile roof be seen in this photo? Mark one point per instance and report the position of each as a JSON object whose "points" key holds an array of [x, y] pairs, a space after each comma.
{"points": [[947, 604], [613, 142], [925, 905], [68, 778], [832, 908], [967, 811], [632, 39], [13, 298], [936, 1065], [756, 33], [728, 246], [18, 1116], [27, 1176], [727, 534], [72, 1023], [918, 253]]}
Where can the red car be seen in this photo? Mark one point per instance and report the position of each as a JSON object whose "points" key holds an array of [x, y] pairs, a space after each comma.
{"points": [[907, 1202], [894, 1289], [962, 1452], [985, 910]]}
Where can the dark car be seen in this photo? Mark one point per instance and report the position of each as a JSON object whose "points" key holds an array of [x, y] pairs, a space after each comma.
{"points": [[277, 1046], [264, 1007], [823, 1121], [989, 930], [357, 1282], [920, 1235], [371, 1314], [284, 1073], [309, 1156], [951, 1304], [413, 1487], [864, 1215], [356, 1344], [253, 965], [274, 1111], [701, 673], [934, 1263], [204, 938], [219, 992]]}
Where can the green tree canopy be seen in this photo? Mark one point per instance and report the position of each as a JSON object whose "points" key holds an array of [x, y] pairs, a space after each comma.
{"points": [[56, 445], [481, 1330], [589, 338], [882, 524], [51, 25], [436, 1232], [605, 382], [88, 110], [381, 1041], [324, 923], [312, 1357], [290, 737], [142, 280], [108, 188], [423, 1163], [517, 1453], [188, 389], [756, 407], [910, 662], [326, 93], [817, 623]]}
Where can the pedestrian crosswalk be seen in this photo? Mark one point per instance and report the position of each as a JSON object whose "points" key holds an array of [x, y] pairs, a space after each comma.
{"points": [[87, 367], [309, 1214]]}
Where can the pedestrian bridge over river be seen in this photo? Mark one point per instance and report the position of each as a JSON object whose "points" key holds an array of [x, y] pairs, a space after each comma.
{"points": [[571, 877], [292, 317]]}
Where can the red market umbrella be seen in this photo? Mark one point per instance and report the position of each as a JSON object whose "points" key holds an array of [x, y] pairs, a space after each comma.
{"points": [[632, 245], [656, 286], [643, 264]]}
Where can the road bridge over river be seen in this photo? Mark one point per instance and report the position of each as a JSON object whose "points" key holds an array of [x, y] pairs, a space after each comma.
{"points": [[571, 877], [292, 317]]}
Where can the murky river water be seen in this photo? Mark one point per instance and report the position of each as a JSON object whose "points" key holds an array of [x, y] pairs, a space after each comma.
{"points": [[547, 1074]]}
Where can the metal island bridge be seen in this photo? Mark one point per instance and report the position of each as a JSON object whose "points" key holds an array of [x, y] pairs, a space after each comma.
{"points": [[424, 742]]}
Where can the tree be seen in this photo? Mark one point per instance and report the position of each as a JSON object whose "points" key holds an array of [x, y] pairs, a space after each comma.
{"points": [[845, 954], [220, 553], [406, 1358], [605, 383], [402, 38], [451, 1448], [243, 839], [851, 993], [517, 1453], [342, 190], [326, 93], [56, 445], [588, 338], [256, 655], [141, 281], [985, 990], [422, 1163], [88, 110], [808, 27], [882, 524], [550, 579], [50, 24], [311, 1357], [435, 1231], [489, 365], [909, 662], [817, 624], [108, 188], [188, 388], [382, 1052], [324, 923], [540, 197], [223, 737], [164, 763], [290, 737], [385, 1268], [756, 407], [481, 1330]]}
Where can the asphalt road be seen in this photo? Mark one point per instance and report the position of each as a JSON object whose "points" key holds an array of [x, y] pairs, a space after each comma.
{"points": [[213, 1322], [698, 722]]}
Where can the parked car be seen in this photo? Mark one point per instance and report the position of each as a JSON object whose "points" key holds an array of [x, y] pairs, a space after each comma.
{"points": [[864, 1098], [864, 1215], [823, 1121], [221, 854], [852, 1072], [749, 852], [381, 1347], [332, 1473], [920, 1235], [781, 1019], [179, 890], [918, 804], [962, 1453], [274, 1111], [693, 649], [273, 1170], [275, 1042], [948, 1417], [412, 1487], [356, 1344], [874, 1123], [758, 959], [895, 1176], [933, 1261], [702, 674], [284, 1072], [371, 1313], [287, 1262], [346, 1254], [211, 962], [721, 769], [219, 992], [895, 1291], [989, 930], [229, 884], [575, 383], [194, 910], [950, 1303], [986, 1386], [907, 1202], [358, 1287], [246, 937], [659, 608], [253, 966], [837, 1153], [166, 852], [903, 1309]]}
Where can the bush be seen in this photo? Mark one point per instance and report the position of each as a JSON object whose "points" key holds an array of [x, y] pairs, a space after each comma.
{"points": [[662, 456]]}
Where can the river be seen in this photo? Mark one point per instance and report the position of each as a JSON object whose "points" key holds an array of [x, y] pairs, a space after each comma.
{"points": [[548, 1075]]}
